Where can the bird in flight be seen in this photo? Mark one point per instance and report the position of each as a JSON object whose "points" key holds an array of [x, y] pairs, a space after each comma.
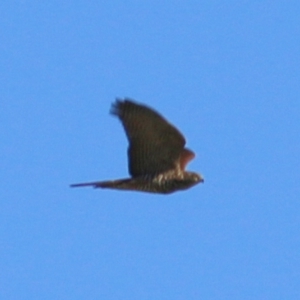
{"points": [[156, 154]]}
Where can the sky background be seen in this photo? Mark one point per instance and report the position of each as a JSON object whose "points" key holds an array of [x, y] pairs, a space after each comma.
{"points": [[226, 73]]}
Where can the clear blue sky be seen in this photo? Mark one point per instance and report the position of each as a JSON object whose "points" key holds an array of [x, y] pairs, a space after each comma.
{"points": [[226, 73]]}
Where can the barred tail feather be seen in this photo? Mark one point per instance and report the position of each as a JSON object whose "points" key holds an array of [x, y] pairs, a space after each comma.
{"points": [[113, 184]]}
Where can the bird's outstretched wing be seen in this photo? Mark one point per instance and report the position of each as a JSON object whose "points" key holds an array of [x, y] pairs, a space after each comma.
{"points": [[155, 145]]}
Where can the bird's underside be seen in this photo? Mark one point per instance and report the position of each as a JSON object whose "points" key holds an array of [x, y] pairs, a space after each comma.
{"points": [[156, 154], [157, 184]]}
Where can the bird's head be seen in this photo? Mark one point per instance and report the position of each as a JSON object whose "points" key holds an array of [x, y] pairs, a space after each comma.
{"points": [[197, 178], [190, 179]]}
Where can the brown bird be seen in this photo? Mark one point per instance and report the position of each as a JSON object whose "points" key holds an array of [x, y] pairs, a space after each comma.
{"points": [[156, 154]]}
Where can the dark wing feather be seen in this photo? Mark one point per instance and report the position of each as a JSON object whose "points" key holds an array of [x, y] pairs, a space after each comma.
{"points": [[154, 144]]}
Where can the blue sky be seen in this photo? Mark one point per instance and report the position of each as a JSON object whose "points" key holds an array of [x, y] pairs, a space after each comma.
{"points": [[225, 73]]}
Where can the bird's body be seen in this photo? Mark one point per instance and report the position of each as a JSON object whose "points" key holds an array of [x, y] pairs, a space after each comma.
{"points": [[156, 153], [164, 183]]}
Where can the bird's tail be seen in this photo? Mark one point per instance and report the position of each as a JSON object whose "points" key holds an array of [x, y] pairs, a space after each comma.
{"points": [[113, 184]]}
